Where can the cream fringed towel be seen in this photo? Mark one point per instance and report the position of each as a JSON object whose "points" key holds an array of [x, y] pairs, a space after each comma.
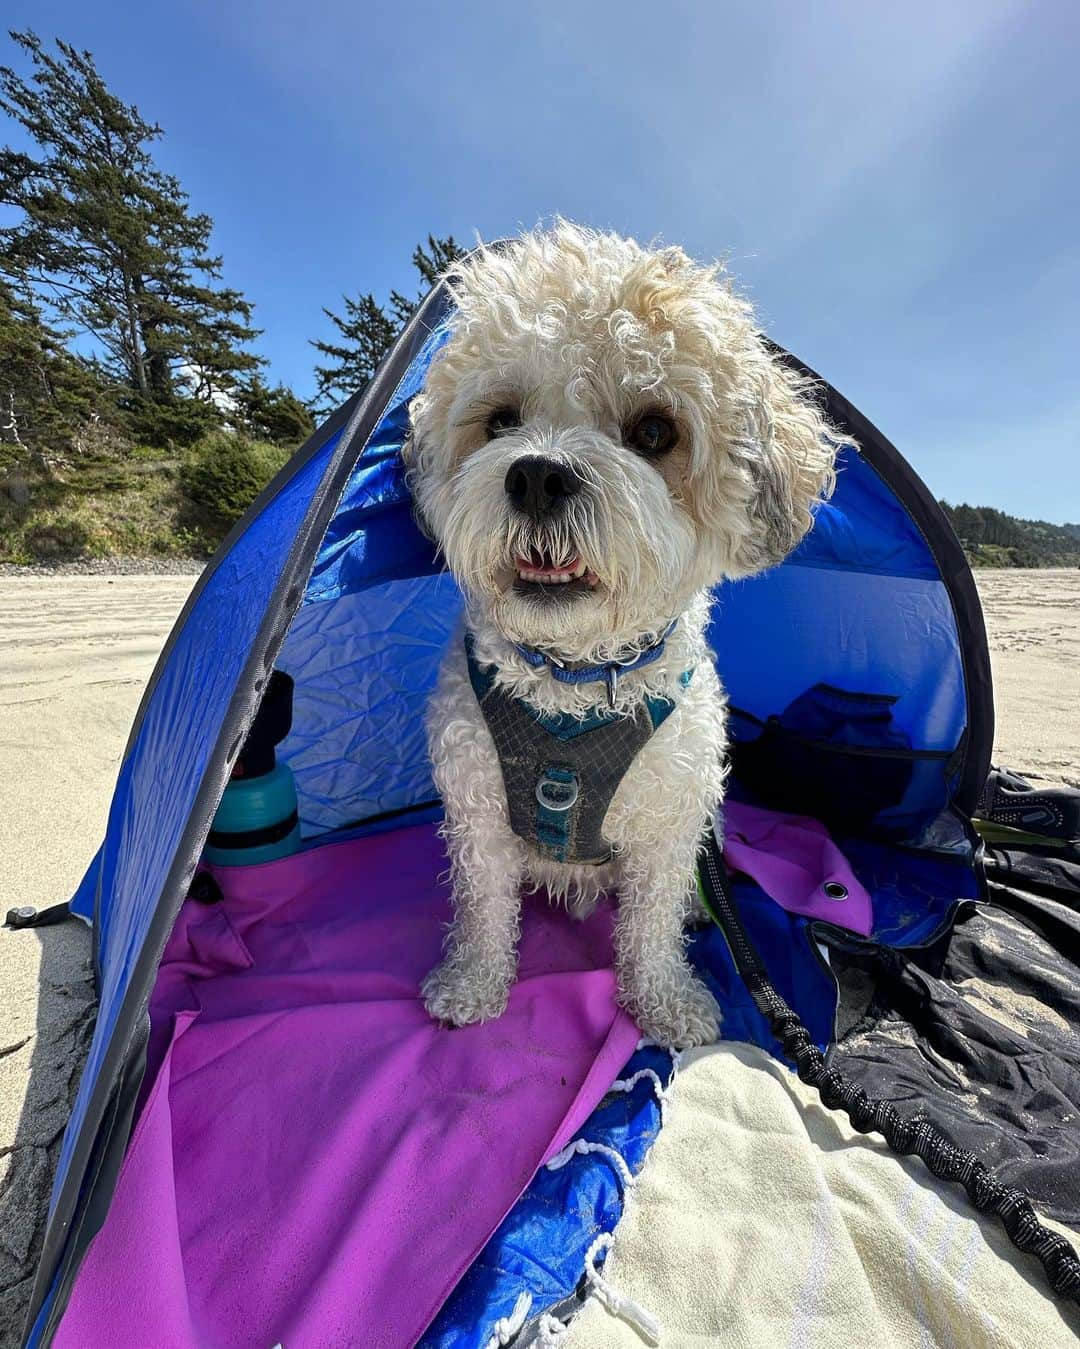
{"points": [[763, 1221]]}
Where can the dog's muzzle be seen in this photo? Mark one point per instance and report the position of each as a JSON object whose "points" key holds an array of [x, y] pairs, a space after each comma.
{"points": [[540, 487]]}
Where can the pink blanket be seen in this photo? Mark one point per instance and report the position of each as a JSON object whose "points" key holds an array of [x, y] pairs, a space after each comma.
{"points": [[317, 1163]]}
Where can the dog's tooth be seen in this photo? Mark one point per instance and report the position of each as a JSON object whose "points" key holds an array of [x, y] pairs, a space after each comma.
{"points": [[549, 575]]}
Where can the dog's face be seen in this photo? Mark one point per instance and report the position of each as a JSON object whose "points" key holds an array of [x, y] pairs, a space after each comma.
{"points": [[604, 435]]}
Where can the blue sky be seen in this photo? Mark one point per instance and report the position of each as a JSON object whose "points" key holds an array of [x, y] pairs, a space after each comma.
{"points": [[896, 187]]}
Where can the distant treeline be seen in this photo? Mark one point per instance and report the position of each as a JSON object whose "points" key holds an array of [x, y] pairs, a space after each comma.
{"points": [[993, 539]]}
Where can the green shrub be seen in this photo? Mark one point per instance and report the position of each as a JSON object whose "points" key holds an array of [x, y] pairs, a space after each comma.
{"points": [[61, 538], [223, 474], [178, 423]]}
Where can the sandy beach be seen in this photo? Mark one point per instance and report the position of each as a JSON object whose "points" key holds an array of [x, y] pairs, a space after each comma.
{"points": [[75, 653], [1033, 627]]}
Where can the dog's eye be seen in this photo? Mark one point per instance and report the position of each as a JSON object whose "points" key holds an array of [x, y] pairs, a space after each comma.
{"points": [[652, 434], [503, 419]]}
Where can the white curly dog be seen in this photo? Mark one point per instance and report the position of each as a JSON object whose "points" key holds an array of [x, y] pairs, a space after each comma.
{"points": [[604, 436]]}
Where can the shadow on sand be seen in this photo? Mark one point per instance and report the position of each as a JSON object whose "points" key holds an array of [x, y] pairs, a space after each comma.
{"points": [[47, 1009]]}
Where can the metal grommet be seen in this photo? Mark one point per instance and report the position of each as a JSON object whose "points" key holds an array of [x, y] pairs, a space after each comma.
{"points": [[834, 890], [555, 795]]}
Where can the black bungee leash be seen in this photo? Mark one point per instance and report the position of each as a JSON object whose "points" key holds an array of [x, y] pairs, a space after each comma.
{"points": [[906, 1135]]}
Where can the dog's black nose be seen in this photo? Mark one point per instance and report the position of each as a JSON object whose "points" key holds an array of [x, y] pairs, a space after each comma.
{"points": [[539, 486]]}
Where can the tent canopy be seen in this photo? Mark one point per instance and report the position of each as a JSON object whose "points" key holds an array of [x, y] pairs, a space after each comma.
{"points": [[858, 667]]}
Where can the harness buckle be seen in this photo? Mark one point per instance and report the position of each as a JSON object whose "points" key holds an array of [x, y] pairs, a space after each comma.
{"points": [[555, 795], [611, 679]]}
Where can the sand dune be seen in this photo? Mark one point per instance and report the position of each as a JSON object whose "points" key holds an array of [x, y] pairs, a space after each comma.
{"points": [[75, 653]]}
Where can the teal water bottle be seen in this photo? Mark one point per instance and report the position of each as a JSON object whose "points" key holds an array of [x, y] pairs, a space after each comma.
{"points": [[257, 820]]}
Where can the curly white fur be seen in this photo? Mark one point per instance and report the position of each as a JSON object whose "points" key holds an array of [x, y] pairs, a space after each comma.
{"points": [[581, 333]]}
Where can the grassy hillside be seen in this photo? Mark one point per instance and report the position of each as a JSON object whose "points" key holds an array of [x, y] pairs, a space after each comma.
{"points": [[991, 538], [146, 503]]}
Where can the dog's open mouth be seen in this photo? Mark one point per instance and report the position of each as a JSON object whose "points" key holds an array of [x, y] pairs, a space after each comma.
{"points": [[542, 576]]}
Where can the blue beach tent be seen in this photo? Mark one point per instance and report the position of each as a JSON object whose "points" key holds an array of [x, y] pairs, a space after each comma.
{"points": [[857, 673]]}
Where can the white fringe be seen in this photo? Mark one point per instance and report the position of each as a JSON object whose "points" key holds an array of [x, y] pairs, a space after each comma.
{"points": [[646, 1042], [582, 1147], [506, 1327], [628, 1084], [624, 1308], [550, 1331]]}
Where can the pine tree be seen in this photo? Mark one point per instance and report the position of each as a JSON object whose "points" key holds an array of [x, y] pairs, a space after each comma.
{"points": [[46, 394], [430, 262], [368, 328], [108, 240], [366, 333], [276, 415]]}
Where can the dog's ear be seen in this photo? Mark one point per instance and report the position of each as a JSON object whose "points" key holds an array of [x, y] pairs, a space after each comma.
{"points": [[789, 455]]}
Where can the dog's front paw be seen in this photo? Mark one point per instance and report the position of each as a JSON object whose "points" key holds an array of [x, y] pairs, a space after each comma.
{"points": [[460, 995], [682, 1013]]}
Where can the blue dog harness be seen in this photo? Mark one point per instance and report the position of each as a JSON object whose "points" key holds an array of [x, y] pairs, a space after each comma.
{"points": [[561, 771]]}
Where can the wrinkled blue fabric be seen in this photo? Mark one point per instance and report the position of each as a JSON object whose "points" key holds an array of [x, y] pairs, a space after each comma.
{"points": [[363, 667], [914, 894], [779, 634]]}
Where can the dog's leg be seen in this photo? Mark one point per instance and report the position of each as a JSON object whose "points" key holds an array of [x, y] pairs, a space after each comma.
{"points": [[658, 816], [473, 981], [656, 984], [487, 860]]}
